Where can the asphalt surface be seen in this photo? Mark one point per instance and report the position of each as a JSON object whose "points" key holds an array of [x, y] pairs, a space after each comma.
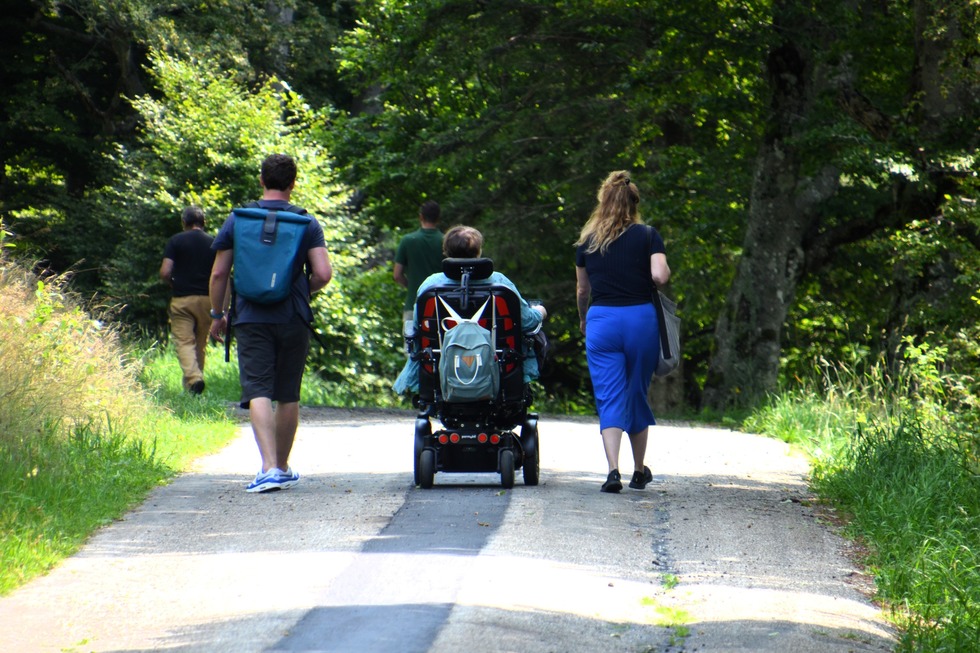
{"points": [[723, 552]]}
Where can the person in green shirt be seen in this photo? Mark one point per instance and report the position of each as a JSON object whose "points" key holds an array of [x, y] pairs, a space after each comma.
{"points": [[419, 254]]}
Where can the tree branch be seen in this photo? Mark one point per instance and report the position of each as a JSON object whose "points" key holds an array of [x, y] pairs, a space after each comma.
{"points": [[906, 203], [863, 112]]}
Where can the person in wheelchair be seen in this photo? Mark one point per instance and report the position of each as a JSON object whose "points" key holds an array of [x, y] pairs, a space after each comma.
{"points": [[467, 242]]}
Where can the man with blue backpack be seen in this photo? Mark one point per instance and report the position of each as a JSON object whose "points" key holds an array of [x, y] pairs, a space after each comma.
{"points": [[279, 259]]}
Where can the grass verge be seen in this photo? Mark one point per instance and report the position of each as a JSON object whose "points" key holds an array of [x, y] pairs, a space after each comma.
{"points": [[82, 440], [896, 450]]}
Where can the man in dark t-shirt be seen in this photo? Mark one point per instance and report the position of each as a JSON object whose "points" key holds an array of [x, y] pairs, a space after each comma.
{"points": [[273, 339], [186, 268]]}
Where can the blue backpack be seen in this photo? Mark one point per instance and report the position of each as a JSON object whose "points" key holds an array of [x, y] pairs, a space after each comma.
{"points": [[267, 243]]}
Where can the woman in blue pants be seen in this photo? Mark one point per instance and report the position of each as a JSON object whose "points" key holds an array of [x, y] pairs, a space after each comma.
{"points": [[615, 260]]}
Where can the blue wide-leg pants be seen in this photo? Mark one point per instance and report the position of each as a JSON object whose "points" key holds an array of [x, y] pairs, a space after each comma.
{"points": [[622, 346]]}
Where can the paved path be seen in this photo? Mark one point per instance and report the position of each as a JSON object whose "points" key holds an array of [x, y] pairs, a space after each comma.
{"points": [[721, 553]]}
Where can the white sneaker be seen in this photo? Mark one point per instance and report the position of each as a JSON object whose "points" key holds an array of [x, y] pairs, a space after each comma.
{"points": [[287, 478], [267, 481]]}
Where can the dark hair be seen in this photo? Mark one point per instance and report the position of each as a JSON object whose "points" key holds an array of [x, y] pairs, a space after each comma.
{"points": [[430, 212], [462, 242], [193, 216], [278, 172]]}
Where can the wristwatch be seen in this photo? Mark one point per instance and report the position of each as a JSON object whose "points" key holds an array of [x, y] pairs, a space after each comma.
{"points": [[217, 315]]}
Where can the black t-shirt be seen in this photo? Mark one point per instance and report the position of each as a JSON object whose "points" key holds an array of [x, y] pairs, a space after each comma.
{"points": [[192, 256], [621, 276]]}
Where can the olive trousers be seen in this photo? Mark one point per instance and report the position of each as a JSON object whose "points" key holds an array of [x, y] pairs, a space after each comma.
{"points": [[190, 319]]}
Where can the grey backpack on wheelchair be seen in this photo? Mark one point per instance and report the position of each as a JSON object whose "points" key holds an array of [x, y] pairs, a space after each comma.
{"points": [[468, 366]]}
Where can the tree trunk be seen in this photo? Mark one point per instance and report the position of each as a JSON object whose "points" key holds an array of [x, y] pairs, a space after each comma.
{"points": [[783, 207], [666, 393]]}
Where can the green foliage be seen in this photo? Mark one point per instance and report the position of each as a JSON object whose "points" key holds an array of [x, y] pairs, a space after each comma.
{"points": [[48, 506], [162, 378], [820, 409], [359, 321], [204, 139], [895, 446], [58, 363], [67, 75], [916, 502], [511, 114], [72, 414], [72, 68]]}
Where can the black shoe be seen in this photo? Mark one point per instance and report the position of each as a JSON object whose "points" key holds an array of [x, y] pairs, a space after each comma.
{"points": [[640, 479], [613, 482], [197, 387]]}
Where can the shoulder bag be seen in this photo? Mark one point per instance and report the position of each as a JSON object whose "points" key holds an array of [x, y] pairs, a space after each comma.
{"points": [[670, 326]]}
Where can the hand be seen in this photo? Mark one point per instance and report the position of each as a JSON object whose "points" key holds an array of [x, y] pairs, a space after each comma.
{"points": [[541, 309], [219, 327]]}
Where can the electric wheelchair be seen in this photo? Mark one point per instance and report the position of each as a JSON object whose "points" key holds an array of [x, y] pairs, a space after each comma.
{"points": [[475, 436]]}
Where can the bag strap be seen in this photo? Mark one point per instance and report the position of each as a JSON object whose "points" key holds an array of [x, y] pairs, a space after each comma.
{"points": [[476, 371], [316, 335], [292, 208], [228, 331], [658, 304]]}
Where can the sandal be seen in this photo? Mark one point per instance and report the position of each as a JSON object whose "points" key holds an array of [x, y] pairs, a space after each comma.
{"points": [[613, 482]]}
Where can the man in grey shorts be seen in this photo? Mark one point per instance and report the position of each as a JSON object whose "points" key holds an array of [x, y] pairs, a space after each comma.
{"points": [[273, 339]]}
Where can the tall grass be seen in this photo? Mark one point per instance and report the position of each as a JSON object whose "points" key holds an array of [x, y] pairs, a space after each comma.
{"points": [[161, 376], [80, 438], [896, 449]]}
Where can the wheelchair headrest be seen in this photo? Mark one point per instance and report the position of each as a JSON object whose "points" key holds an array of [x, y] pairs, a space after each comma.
{"points": [[479, 268]]}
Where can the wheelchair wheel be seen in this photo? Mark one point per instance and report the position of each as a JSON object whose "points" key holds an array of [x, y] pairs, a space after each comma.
{"points": [[427, 468], [422, 428], [507, 468], [532, 455]]}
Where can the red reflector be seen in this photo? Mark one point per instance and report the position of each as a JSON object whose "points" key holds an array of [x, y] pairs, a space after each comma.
{"points": [[454, 438], [494, 439], [482, 438], [443, 439]]}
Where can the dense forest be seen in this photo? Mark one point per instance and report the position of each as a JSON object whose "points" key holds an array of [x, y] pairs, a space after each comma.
{"points": [[811, 165]]}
